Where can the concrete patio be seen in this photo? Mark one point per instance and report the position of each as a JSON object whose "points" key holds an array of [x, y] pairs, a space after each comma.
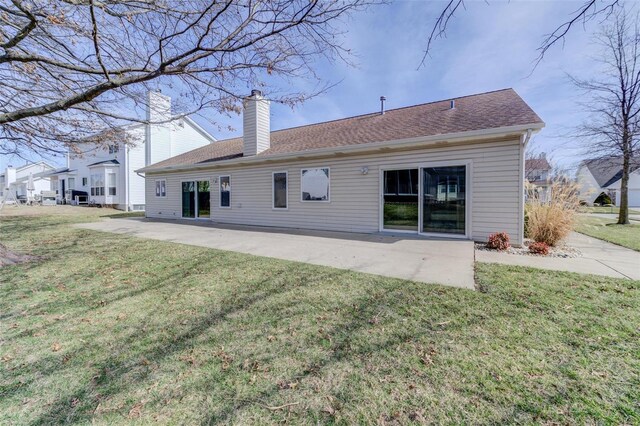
{"points": [[446, 261]]}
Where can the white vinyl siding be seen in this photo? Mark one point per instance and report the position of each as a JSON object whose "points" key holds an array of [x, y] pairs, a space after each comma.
{"points": [[495, 192]]}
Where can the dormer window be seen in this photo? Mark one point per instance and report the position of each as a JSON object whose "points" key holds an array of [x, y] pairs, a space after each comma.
{"points": [[113, 149]]}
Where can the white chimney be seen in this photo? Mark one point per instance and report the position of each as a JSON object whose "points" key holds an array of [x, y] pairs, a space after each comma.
{"points": [[256, 124], [158, 130], [10, 176]]}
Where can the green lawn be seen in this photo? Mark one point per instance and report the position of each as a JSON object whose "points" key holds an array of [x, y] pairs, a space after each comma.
{"points": [[111, 329], [608, 230], [601, 209]]}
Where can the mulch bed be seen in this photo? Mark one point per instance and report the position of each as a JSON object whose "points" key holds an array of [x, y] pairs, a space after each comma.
{"points": [[561, 250]]}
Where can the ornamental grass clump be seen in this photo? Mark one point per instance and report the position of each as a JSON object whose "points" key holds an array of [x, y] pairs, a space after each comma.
{"points": [[550, 220]]}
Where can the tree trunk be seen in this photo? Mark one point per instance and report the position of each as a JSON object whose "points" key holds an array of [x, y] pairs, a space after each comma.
{"points": [[623, 215]]}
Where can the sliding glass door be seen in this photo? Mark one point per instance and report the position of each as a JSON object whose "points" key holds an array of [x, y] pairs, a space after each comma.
{"points": [[444, 200], [429, 200], [196, 199], [204, 199], [400, 200], [188, 199]]}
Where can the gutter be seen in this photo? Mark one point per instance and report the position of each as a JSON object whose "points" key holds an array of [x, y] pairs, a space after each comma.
{"points": [[355, 149], [526, 137]]}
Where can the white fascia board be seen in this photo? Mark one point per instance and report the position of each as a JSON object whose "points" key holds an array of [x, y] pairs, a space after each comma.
{"points": [[199, 128], [95, 166], [355, 149]]}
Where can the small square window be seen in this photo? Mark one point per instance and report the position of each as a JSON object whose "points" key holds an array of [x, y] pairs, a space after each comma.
{"points": [[314, 184]]}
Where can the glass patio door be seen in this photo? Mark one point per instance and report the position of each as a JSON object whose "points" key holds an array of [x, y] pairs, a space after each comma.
{"points": [[400, 200], [444, 200], [196, 199], [204, 199], [188, 199]]}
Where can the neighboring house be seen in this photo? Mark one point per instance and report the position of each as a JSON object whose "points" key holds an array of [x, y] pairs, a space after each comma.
{"points": [[633, 187], [537, 173], [596, 176], [107, 174], [16, 180], [450, 168]]}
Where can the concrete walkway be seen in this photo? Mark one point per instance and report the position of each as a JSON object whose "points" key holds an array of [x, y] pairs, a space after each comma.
{"points": [[448, 262], [598, 258]]}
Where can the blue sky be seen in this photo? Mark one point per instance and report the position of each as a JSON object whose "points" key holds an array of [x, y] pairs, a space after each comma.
{"points": [[487, 47]]}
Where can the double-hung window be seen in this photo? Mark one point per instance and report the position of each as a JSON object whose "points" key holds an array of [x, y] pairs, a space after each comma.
{"points": [[97, 184], [111, 183], [280, 193], [161, 188]]}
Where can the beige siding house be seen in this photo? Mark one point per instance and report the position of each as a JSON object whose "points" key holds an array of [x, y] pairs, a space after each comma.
{"points": [[452, 168]]}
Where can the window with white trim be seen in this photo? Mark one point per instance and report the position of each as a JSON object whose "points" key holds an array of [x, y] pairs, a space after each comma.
{"points": [[72, 183], [111, 183], [161, 188], [225, 191], [97, 184], [280, 190], [84, 181], [314, 184]]}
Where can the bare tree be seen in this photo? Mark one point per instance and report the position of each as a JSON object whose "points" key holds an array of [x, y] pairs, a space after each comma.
{"points": [[73, 71], [614, 100], [588, 10]]}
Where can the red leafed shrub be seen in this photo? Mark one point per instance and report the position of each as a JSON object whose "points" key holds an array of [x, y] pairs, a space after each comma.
{"points": [[498, 241], [539, 248]]}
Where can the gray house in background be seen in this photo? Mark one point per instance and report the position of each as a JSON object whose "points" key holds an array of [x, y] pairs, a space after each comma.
{"points": [[452, 168], [537, 171], [603, 175]]}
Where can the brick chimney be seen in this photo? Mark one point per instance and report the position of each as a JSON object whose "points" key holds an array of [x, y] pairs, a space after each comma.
{"points": [[256, 124]]}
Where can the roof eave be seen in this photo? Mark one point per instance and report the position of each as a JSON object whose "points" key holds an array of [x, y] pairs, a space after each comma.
{"points": [[354, 149]]}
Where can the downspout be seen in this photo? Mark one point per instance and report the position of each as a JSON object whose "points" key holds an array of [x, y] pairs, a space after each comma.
{"points": [[526, 137], [126, 179], [524, 141]]}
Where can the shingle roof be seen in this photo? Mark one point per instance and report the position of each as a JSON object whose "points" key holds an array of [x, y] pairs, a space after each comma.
{"points": [[606, 171], [490, 110], [104, 162], [531, 164]]}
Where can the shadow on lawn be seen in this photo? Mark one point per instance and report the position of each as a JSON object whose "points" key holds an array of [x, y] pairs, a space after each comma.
{"points": [[112, 377], [341, 351], [51, 364]]}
